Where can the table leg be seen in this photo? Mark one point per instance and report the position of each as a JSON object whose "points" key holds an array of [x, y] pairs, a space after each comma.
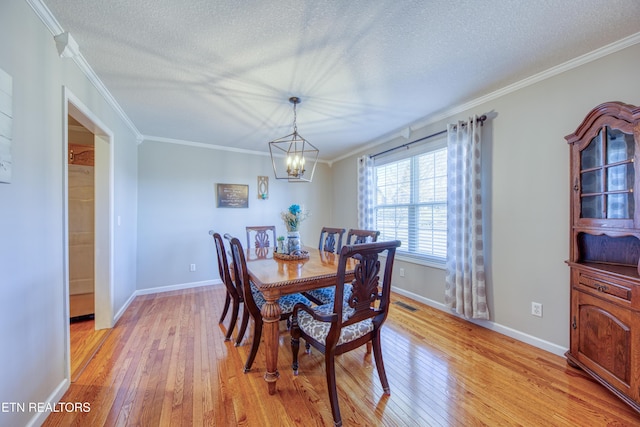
{"points": [[271, 331]]}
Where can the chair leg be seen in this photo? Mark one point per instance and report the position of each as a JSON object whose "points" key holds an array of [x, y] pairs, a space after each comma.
{"points": [[295, 345], [329, 358], [234, 318], [377, 354], [368, 347], [243, 325], [227, 300], [257, 334]]}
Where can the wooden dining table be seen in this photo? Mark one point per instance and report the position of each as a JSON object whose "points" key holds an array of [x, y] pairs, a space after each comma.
{"points": [[276, 277]]}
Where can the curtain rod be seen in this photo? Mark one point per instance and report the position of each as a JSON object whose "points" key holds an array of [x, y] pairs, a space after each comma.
{"points": [[480, 119]]}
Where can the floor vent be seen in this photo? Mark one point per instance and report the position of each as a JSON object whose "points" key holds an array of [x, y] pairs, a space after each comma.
{"points": [[405, 306]]}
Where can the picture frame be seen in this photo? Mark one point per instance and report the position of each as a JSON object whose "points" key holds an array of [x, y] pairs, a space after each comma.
{"points": [[232, 196]]}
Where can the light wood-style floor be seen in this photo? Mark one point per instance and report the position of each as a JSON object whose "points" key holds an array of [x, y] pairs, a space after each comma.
{"points": [[85, 342], [166, 364]]}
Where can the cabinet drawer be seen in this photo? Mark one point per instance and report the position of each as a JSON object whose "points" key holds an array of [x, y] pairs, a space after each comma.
{"points": [[603, 286]]}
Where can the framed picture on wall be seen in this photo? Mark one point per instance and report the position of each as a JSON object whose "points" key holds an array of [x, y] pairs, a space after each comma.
{"points": [[232, 196]]}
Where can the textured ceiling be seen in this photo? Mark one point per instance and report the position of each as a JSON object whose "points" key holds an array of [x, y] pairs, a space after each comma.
{"points": [[221, 72]]}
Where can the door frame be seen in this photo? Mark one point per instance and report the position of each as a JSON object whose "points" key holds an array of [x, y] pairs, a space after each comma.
{"points": [[104, 214]]}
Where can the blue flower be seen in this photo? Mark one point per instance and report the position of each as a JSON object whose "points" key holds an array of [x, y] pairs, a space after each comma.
{"points": [[293, 217], [295, 209]]}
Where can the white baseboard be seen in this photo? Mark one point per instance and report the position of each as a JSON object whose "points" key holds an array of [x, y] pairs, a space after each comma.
{"points": [[55, 397], [160, 289], [123, 308], [177, 287], [504, 330]]}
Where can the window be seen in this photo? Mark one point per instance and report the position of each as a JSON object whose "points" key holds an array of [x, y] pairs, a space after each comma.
{"points": [[411, 201]]}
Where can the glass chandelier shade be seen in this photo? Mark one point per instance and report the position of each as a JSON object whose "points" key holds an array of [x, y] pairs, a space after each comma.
{"points": [[293, 156]]}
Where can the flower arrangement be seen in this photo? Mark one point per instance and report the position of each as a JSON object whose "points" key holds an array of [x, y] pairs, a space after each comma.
{"points": [[293, 217]]}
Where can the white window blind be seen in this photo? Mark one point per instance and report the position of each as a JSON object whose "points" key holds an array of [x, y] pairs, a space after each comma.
{"points": [[411, 201]]}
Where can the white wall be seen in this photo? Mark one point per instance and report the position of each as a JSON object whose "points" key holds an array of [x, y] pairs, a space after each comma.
{"points": [[177, 208], [527, 195], [32, 305]]}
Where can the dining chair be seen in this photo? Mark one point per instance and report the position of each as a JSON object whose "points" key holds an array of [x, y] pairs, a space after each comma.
{"points": [[352, 319], [331, 239], [361, 236], [261, 239], [233, 295], [254, 300]]}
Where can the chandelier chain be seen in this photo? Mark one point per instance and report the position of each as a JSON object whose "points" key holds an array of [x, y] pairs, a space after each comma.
{"points": [[295, 124]]}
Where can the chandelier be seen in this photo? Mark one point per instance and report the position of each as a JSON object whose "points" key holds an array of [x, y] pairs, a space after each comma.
{"points": [[294, 153]]}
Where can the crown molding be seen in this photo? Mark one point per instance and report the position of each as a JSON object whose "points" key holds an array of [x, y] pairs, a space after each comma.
{"points": [[551, 72], [148, 138], [52, 24], [46, 16]]}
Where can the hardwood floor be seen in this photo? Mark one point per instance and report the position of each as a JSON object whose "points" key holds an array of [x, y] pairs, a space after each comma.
{"points": [[85, 342], [166, 364]]}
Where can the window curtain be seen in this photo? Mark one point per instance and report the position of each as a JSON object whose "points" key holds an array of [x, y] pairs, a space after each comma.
{"points": [[365, 193], [465, 290]]}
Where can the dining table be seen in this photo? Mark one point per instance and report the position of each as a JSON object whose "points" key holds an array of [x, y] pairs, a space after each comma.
{"points": [[278, 275]]}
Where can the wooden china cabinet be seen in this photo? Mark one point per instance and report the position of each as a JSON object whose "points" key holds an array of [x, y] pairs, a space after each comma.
{"points": [[605, 248]]}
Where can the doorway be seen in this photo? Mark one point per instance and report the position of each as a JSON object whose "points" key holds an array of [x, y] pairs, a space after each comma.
{"points": [[85, 339], [88, 233], [81, 209]]}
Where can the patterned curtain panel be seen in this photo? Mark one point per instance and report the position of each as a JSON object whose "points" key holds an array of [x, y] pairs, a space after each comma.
{"points": [[465, 290], [365, 193]]}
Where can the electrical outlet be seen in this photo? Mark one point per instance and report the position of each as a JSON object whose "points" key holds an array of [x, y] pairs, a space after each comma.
{"points": [[536, 309], [192, 267], [402, 272]]}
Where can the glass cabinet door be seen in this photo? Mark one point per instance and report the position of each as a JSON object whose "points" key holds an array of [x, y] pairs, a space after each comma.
{"points": [[607, 176]]}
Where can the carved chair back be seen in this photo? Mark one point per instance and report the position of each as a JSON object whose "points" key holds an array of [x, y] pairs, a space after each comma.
{"points": [[368, 299], [331, 239], [262, 238]]}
